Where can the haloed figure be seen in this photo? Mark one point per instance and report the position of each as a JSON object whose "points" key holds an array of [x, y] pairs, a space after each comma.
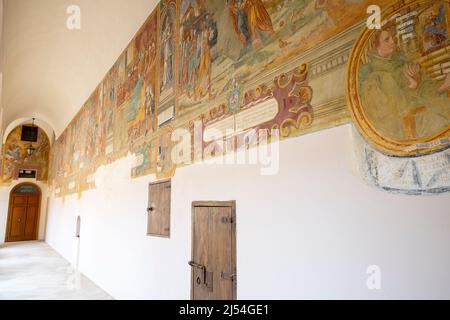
{"points": [[399, 98]]}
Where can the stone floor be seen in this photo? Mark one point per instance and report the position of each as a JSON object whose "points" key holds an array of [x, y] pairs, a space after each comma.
{"points": [[34, 271]]}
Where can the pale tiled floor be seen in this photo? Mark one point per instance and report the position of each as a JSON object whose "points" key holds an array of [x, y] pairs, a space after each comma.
{"points": [[34, 271]]}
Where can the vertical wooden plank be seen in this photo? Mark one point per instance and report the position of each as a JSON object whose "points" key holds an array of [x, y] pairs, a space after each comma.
{"points": [[165, 215], [220, 252], [149, 213], [234, 249], [156, 214], [30, 222], [200, 252]]}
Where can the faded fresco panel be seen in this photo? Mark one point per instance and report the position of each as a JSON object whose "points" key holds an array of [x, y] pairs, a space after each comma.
{"points": [[236, 41], [16, 157], [109, 93], [240, 65], [167, 61], [140, 105], [145, 159]]}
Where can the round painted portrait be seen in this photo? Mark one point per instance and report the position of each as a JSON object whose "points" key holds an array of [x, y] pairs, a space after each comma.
{"points": [[399, 80]]}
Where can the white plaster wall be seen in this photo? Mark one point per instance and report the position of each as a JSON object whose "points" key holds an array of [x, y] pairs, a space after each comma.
{"points": [[310, 231], [4, 205]]}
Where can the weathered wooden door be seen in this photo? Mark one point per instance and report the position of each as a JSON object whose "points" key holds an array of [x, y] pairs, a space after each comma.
{"points": [[213, 251], [159, 195], [23, 213]]}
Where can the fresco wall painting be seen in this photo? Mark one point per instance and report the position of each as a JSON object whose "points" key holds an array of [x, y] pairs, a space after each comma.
{"points": [[204, 64]]}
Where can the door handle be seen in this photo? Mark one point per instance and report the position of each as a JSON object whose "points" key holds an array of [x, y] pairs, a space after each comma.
{"points": [[150, 210], [196, 265], [201, 267]]}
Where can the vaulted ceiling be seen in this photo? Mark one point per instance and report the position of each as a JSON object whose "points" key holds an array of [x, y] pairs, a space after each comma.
{"points": [[48, 70]]}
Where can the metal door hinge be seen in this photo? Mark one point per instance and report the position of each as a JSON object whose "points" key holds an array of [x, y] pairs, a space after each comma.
{"points": [[228, 276], [227, 220]]}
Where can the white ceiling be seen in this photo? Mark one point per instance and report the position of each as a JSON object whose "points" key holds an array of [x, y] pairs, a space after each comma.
{"points": [[50, 71]]}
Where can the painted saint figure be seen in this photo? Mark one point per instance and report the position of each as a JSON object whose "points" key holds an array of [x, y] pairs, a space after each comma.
{"points": [[167, 53], [203, 84], [240, 22], [251, 21], [199, 35], [399, 99]]}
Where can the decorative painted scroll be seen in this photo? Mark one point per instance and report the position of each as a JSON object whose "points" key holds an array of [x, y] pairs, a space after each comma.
{"points": [[399, 80], [284, 106], [292, 95]]}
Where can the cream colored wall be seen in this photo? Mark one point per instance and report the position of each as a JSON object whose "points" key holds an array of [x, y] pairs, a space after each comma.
{"points": [[49, 71], [4, 205], [309, 231]]}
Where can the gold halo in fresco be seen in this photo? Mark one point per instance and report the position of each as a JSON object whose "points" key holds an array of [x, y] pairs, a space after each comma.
{"points": [[399, 80]]}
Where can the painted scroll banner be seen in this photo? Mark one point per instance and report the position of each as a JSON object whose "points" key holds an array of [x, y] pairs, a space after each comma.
{"points": [[219, 129], [262, 112]]}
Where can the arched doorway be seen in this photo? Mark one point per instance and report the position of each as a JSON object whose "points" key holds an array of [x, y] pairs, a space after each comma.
{"points": [[23, 213]]}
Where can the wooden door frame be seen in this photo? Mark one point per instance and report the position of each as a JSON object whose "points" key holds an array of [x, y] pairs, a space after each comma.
{"points": [[10, 205], [232, 205]]}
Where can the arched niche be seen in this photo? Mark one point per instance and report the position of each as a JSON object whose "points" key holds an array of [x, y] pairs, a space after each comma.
{"points": [[20, 155], [44, 125]]}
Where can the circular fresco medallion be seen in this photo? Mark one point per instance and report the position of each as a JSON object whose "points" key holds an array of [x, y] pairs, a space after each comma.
{"points": [[399, 80]]}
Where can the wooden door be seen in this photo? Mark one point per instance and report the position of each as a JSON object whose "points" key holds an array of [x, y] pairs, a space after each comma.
{"points": [[213, 263], [23, 213], [159, 195]]}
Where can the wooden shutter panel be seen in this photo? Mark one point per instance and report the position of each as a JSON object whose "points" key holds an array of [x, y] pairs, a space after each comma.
{"points": [[159, 197]]}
